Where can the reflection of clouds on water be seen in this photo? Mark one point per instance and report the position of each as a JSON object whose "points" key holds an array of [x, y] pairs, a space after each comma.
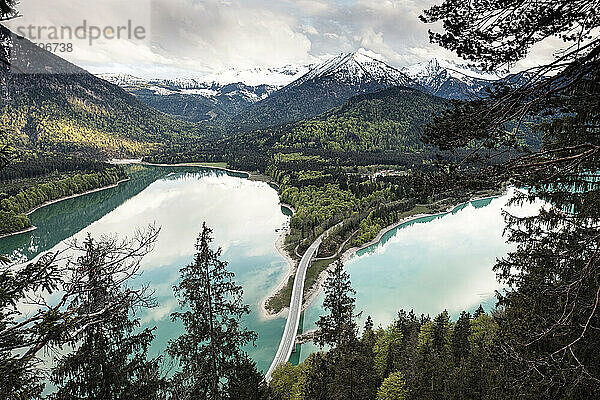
{"points": [[258, 282], [234, 208], [240, 212], [260, 250], [244, 216], [162, 281], [442, 264]]}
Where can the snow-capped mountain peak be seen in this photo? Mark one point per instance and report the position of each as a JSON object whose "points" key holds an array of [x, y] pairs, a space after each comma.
{"points": [[449, 79], [366, 56], [121, 79], [459, 71], [271, 76], [274, 77], [362, 66]]}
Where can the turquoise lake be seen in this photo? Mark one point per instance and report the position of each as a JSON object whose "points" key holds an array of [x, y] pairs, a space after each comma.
{"points": [[428, 265]]}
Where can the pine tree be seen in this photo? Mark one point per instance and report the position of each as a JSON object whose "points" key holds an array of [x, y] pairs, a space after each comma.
{"points": [[441, 327], [486, 373], [59, 286], [409, 326], [368, 325], [350, 363], [368, 379], [209, 350], [461, 351], [316, 377], [245, 382], [460, 338], [19, 375], [389, 351], [441, 353], [338, 327], [549, 319], [110, 357], [368, 341], [285, 381], [478, 312], [393, 388]]}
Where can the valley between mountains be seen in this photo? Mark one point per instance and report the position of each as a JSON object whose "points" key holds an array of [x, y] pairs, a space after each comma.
{"points": [[342, 140]]}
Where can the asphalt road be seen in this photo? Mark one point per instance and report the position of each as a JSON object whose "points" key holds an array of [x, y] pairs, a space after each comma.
{"points": [[288, 339]]}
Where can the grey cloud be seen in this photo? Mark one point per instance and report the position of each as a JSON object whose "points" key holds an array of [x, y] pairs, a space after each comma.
{"points": [[198, 36]]}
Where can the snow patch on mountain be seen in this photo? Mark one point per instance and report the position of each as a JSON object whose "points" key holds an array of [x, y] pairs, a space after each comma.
{"points": [[250, 84], [278, 76], [122, 79], [451, 80], [200, 92], [429, 70], [362, 66]]}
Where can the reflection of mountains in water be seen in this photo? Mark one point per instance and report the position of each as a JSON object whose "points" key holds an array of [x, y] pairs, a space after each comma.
{"points": [[64, 219], [189, 173]]}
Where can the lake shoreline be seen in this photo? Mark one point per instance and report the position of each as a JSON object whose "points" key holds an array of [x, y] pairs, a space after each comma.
{"points": [[26, 230], [313, 292], [198, 165], [190, 164], [47, 203], [292, 267]]}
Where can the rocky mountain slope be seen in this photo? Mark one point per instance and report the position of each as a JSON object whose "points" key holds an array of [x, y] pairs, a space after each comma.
{"points": [[326, 86], [210, 97]]}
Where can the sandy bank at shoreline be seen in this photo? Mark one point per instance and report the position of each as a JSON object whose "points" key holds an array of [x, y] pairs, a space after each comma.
{"points": [[292, 267]]}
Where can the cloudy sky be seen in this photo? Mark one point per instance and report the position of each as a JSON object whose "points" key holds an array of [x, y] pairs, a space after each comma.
{"points": [[194, 37]]}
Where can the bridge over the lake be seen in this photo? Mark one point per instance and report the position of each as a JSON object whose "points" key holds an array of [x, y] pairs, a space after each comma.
{"points": [[288, 340]]}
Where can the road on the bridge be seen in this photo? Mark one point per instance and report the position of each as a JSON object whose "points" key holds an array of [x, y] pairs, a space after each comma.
{"points": [[288, 340]]}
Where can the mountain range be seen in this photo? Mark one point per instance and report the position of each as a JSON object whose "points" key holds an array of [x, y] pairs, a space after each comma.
{"points": [[261, 97], [52, 104], [212, 96], [326, 86]]}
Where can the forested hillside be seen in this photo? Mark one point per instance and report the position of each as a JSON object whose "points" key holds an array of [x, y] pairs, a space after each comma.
{"points": [[384, 127], [25, 198], [391, 119], [50, 104], [194, 108], [295, 104], [190, 104], [27, 164]]}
